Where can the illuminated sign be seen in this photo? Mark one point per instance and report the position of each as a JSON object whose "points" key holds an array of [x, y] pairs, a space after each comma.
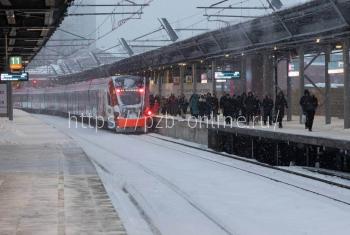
{"points": [[227, 75], [14, 77], [15, 63]]}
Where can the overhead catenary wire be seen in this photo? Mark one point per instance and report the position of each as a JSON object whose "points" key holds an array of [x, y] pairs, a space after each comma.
{"points": [[159, 38]]}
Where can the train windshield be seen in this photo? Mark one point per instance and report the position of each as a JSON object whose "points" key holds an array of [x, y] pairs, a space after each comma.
{"points": [[128, 89]]}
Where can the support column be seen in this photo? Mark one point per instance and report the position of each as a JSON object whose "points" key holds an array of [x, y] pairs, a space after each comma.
{"points": [[9, 84], [289, 93], [213, 85], [160, 83], [257, 70], [346, 84], [327, 104], [243, 74], [182, 78], [301, 78], [194, 78], [268, 81]]}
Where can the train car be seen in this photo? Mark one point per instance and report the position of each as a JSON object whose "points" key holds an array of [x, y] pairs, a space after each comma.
{"points": [[119, 102]]}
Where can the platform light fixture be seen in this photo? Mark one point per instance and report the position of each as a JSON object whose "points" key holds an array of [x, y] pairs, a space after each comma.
{"points": [[227, 55], [339, 46], [38, 29], [275, 48], [318, 40]]}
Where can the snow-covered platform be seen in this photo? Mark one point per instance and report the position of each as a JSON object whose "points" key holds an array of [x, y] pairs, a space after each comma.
{"points": [[48, 185]]}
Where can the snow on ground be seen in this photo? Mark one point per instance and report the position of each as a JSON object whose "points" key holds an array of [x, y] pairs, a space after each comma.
{"points": [[18, 132], [179, 190], [296, 169], [338, 177]]}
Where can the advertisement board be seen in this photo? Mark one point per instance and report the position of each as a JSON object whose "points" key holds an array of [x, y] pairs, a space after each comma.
{"points": [[227, 75], [3, 100], [14, 77]]}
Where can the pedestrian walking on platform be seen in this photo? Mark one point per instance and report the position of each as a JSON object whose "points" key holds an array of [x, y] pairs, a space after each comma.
{"points": [[267, 109], [183, 104], [281, 105], [309, 104], [194, 105], [215, 105], [250, 106], [222, 102]]}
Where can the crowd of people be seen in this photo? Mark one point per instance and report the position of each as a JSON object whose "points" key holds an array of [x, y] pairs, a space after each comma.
{"points": [[246, 108]]}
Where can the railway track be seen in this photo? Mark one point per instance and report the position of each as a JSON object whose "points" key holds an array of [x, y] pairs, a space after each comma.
{"points": [[154, 140], [252, 172], [162, 180]]}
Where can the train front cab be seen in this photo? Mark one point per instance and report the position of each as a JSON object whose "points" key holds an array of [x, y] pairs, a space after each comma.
{"points": [[128, 100]]}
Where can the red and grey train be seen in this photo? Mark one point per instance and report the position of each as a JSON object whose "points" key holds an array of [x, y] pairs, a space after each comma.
{"points": [[120, 102]]}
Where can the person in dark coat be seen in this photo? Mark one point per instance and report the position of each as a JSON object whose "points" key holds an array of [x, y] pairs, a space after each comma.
{"points": [[250, 106], [194, 105], [172, 105], [267, 105], [215, 106], [222, 102], [281, 105], [309, 104], [163, 105], [228, 109], [208, 105], [183, 104], [242, 104], [202, 106], [235, 107], [257, 106]]}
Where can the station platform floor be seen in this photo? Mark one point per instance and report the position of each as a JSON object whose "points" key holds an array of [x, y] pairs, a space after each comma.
{"points": [[48, 185]]}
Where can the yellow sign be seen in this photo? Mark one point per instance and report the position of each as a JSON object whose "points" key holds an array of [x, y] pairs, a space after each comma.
{"points": [[16, 63]]}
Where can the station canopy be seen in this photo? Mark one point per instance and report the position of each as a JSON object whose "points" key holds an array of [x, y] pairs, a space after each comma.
{"points": [[286, 30], [27, 25]]}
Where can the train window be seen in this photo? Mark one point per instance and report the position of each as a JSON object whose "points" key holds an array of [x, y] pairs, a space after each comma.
{"points": [[130, 98], [128, 82]]}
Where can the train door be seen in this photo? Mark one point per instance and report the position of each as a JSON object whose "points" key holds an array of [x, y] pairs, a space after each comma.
{"points": [[110, 105]]}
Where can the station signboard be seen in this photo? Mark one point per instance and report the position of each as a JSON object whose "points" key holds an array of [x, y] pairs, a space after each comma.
{"points": [[3, 100], [16, 63], [227, 75], [14, 77]]}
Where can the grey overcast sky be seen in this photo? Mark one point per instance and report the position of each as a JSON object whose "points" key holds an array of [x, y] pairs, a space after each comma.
{"points": [[180, 14]]}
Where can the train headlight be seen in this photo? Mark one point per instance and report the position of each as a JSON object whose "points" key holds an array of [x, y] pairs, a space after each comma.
{"points": [[148, 112]]}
